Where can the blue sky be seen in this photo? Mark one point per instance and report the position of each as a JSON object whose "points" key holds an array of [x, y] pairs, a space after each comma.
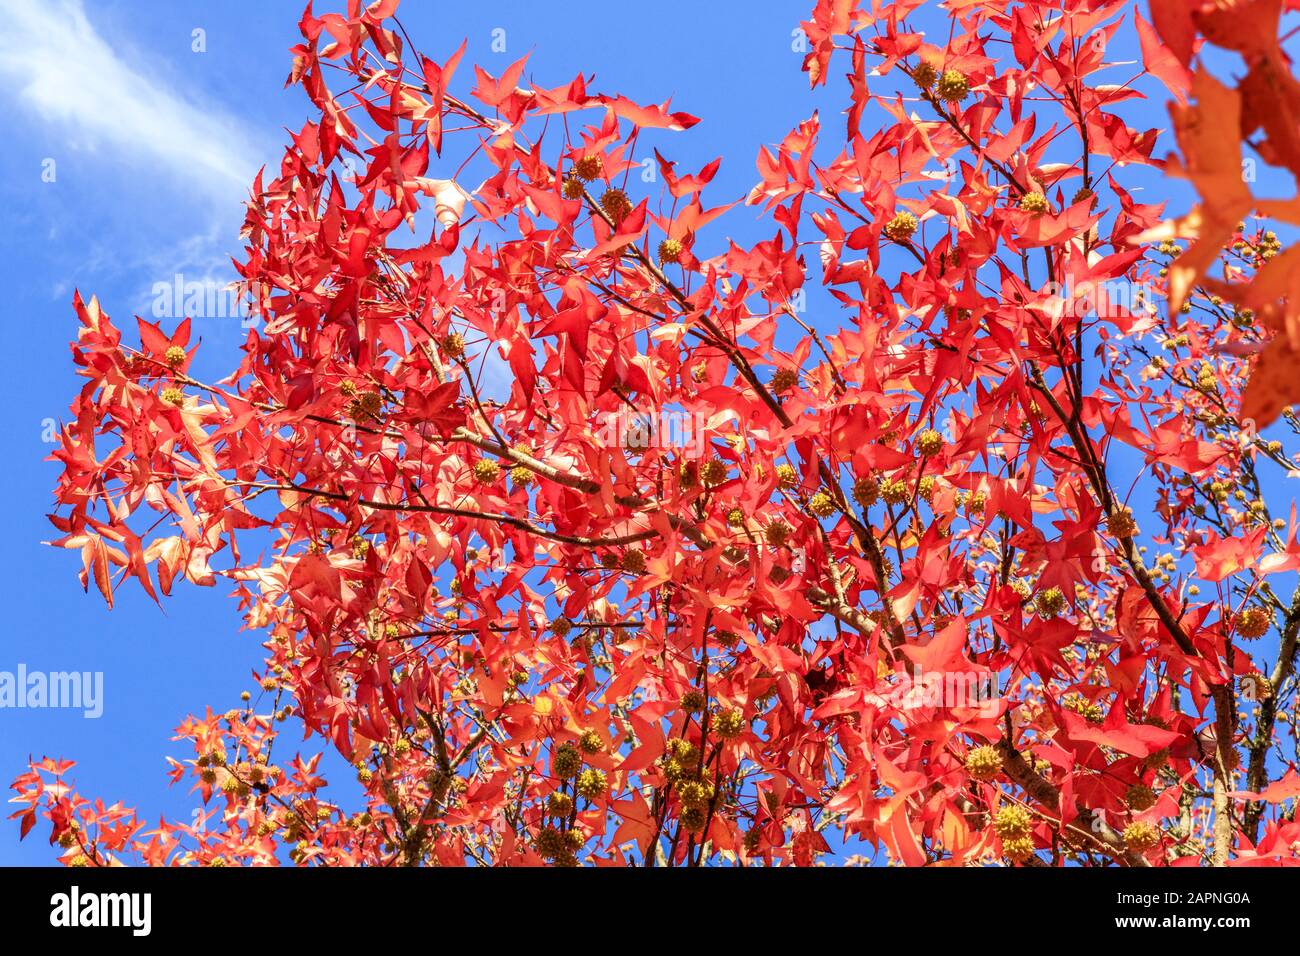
{"points": [[152, 144]]}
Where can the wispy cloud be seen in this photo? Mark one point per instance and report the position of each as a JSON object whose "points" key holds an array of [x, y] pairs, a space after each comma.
{"points": [[56, 65]]}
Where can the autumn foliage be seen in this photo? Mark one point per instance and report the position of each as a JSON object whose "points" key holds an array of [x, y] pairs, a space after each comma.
{"points": [[970, 409]]}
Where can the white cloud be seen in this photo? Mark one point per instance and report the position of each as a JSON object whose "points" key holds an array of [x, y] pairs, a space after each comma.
{"points": [[56, 65]]}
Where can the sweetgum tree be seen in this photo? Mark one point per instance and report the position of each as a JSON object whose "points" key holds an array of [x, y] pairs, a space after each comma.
{"points": [[591, 537]]}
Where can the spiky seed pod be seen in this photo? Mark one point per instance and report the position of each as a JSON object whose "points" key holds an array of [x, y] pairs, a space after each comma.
{"points": [[174, 356], [1084, 193], [753, 839], [953, 86], [670, 250], [486, 471], [1256, 687], [559, 804], [589, 167], [1012, 820], [1034, 202], [609, 560], [713, 471], [776, 533], [591, 783], [784, 379], [1085, 708], [615, 204], [171, 395], [693, 819], [573, 839], [688, 474], [1253, 622], [700, 372], [894, 491], [901, 227], [633, 561], [591, 742], [726, 638], [1017, 849], [453, 345], [695, 793], [1140, 797], [1121, 523], [693, 700], [729, 724], [521, 476], [736, 517], [822, 505], [1140, 836], [367, 404], [929, 442], [925, 488], [865, 492], [1050, 603], [573, 188], [683, 750], [561, 627], [924, 75], [348, 387], [984, 763], [566, 761], [786, 476], [550, 842]]}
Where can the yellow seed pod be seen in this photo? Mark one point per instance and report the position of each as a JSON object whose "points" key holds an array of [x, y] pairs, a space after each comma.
{"points": [[984, 763], [1141, 836]]}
